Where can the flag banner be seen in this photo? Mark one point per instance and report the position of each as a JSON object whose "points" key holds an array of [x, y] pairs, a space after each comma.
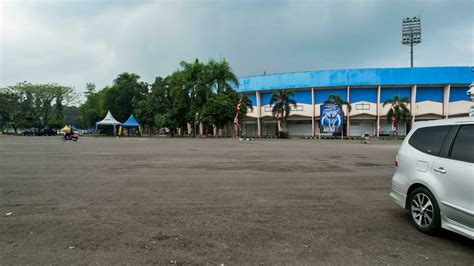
{"points": [[237, 114], [280, 121], [331, 118]]}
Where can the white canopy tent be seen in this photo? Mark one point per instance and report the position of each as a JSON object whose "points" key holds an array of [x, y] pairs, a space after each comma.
{"points": [[109, 120]]}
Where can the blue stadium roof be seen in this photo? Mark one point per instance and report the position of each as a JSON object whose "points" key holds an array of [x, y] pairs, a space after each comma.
{"points": [[359, 77]]}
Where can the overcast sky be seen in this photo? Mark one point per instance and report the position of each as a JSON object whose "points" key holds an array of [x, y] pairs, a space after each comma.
{"points": [[75, 42]]}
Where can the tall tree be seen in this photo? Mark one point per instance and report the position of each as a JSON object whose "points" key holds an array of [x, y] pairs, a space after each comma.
{"points": [[222, 77], [90, 110], [157, 102], [398, 111], [282, 101], [58, 118], [246, 105], [72, 116], [124, 96], [39, 99], [219, 111], [180, 101], [12, 110], [90, 89], [196, 80]]}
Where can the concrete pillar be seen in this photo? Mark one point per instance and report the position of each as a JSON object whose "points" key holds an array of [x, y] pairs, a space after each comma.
{"points": [[348, 128], [313, 129], [377, 110], [259, 114], [446, 93], [413, 104]]}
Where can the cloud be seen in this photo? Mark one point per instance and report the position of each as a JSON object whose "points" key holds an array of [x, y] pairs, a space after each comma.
{"points": [[76, 42]]}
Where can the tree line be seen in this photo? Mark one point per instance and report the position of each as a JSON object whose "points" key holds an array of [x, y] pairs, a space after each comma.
{"points": [[196, 95], [27, 105]]}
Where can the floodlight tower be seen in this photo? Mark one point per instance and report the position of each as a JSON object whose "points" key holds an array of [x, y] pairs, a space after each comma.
{"points": [[411, 33]]}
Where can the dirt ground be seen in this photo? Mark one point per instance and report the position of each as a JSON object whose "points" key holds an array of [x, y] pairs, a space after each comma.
{"points": [[215, 201]]}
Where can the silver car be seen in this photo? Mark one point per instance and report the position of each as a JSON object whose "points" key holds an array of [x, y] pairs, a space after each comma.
{"points": [[434, 177]]}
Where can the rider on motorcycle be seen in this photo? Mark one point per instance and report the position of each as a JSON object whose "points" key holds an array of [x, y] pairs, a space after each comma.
{"points": [[68, 133]]}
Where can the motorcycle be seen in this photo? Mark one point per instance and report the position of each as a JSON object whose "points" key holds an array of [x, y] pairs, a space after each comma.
{"points": [[74, 137]]}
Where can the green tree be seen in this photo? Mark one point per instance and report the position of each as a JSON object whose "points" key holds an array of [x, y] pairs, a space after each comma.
{"points": [[221, 76], [219, 110], [72, 116], [164, 120], [336, 99], [180, 101], [58, 117], [195, 79], [12, 110], [157, 102], [124, 96], [202, 81], [282, 101], [42, 102], [90, 110], [398, 111], [246, 103], [90, 89]]}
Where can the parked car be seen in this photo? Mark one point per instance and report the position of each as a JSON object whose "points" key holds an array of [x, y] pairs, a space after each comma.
{"points": [[47, 132], [30, 132], [434, 177]]}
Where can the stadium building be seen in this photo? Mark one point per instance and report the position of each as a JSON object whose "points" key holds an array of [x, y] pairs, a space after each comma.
{"points": [[434, 93]]}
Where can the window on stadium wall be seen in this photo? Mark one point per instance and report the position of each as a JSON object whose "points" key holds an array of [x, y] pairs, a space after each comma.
{"points": [[268, 109]]}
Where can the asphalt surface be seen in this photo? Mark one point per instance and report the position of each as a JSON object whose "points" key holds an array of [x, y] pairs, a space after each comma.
{"points": [[208, 201]]}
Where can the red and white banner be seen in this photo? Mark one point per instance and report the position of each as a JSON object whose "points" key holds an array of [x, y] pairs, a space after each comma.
{"points": [[280, 121], [237, 115]]}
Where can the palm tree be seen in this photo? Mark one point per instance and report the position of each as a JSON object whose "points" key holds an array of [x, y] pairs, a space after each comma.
{"points": [[336, 99], [246, 102], [398, 112], [222, 77], [282, 102]]}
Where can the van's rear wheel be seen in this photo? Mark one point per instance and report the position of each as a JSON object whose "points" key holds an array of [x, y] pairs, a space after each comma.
{"points": [[424, 211]]}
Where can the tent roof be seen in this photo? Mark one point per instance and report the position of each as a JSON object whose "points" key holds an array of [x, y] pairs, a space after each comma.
{"points": [[109, 120], [131, 122]]}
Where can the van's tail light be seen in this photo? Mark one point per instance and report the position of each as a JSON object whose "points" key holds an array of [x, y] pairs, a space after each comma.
{"points": [[396, 161]]}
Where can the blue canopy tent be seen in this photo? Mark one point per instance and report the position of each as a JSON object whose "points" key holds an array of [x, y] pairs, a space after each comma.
{"points": [[109, 120], [130, 123]]}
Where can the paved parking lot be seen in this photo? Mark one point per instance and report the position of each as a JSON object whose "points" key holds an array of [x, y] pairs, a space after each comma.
{"points": [[108, 200]]}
